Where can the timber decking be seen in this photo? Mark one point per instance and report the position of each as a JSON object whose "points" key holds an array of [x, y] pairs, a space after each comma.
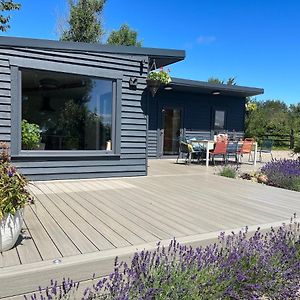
{"points": [[75, 219]]}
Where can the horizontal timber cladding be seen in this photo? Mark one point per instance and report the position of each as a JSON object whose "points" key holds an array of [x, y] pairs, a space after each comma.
{"points": [[5, 101], [152, 143], [133, 123]]}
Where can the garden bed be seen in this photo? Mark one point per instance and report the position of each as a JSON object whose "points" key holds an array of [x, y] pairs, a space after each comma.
{"points": [[282, 173], [239, 266]]}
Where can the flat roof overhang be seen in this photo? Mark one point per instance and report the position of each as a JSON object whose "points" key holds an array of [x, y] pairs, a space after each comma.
{"points": [[162, 57], [203, 87]]}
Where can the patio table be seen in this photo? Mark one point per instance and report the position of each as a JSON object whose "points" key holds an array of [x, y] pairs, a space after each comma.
{"points": [[209, 144]]}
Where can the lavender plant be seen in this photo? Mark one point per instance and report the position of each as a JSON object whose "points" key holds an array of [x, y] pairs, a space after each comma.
{"points": [[239, 266], [284, 173]]}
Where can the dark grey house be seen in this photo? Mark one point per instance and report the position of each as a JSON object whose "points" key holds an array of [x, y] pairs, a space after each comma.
{"points": [[96, 117], [188, 108]]}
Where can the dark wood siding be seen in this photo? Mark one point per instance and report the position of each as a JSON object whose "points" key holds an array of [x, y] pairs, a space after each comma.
{"points": [[152, 143], [5, 100], [197, 112], [132, 160]]}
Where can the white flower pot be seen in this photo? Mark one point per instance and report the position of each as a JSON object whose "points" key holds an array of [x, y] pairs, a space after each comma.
{"points": [[10, 229]]}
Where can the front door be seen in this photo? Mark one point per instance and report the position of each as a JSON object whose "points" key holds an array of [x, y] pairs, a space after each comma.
{"points": [[172, 120]]}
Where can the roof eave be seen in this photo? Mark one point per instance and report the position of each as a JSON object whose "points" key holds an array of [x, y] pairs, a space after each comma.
{"points": [[166, 56], [210, 87]]}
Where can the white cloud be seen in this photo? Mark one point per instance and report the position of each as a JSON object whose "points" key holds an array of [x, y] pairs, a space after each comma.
{"points": [[205, 40]]}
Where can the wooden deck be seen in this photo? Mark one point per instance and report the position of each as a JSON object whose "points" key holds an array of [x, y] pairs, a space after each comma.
{"points": [[76, 221]]}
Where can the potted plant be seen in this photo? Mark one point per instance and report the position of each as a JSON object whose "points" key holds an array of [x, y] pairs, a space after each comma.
{"points": [[31, 135], [156, 79], [13, 197]]}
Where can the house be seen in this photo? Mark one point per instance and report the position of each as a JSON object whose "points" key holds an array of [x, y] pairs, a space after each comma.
{"points": [[95, 114]]}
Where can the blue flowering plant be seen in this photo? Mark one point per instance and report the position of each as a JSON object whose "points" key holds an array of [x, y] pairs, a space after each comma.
{"points": [[283, 173], [239, 266], [14, 194]]}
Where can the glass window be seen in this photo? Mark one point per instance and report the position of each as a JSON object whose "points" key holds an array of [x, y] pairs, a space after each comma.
{"points": [[219, 119], [73, 112]]}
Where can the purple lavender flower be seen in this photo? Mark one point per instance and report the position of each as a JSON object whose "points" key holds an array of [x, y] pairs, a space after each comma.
{"points": [[284, 173], [237, 267]]}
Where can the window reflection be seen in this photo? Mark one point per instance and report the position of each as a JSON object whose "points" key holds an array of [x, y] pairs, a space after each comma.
{"points": [[219, 119], [74, 112]]}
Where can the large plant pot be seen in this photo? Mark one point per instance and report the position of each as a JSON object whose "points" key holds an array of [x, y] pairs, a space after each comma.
{"points": [[10, 229]]}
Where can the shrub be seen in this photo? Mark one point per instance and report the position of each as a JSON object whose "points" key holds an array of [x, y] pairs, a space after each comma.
{"points": [[13, 192], [228, 171], [238, 267], [31, 136], [284, 173]]}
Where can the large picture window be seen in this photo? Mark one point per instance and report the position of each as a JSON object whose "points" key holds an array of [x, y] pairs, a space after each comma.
{"points": [[73, 112]]}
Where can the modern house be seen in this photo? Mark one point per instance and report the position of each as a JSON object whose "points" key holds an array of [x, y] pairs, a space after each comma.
{"points": [[96, 115]]}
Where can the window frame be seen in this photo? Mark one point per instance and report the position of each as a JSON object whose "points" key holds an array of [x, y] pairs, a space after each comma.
{"points": [[16, 108], [214, 118]]}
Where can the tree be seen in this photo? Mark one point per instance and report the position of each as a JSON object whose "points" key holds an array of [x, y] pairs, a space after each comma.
{"points": [[6, 5], [215, 80], [84, 21], [124, 36], [230, 81], [269, 117]]}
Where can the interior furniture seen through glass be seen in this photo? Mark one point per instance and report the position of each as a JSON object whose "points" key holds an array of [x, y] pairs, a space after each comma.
{"points": [[73, 112]]}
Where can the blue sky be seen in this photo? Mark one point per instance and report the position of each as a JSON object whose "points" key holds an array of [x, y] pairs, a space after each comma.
{"points": [[256, 41]]}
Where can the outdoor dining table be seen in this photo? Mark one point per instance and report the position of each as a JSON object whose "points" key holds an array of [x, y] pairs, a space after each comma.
{"points": [[209, 145]]}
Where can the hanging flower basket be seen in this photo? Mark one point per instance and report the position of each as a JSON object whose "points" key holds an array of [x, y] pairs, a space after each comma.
{"points": [[153, 86], [156, 79]]}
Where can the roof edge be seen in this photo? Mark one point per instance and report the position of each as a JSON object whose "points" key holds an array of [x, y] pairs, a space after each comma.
{"points": [[91, 47], [217, 86]]}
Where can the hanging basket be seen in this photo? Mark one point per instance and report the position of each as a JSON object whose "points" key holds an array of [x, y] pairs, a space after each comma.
{"points": [[153, 86]]}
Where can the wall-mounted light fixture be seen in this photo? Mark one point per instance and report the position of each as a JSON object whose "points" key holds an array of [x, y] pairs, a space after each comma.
{"points": [[216, 93], [168, 88]]}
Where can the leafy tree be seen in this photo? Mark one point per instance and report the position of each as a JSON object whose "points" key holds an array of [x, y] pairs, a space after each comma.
{"points": [[269, 117], [6, 5], [124, 36], [230, 81], [84, 21], [295, 116], [215, 80]]}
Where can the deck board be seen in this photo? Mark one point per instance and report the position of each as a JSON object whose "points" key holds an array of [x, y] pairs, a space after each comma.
{"points": [[77, 204], [61, 240], [93, 236], [27, 250], [70, 228], [75, 219], [43, 241], [10, 258]]}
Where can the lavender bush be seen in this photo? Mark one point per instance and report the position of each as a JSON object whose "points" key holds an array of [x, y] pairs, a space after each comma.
{"points": [[237, 267], [284, 173]]}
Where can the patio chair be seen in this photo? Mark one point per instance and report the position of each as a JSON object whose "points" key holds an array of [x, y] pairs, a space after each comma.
{"points": [[219, 150], [190, 151], [245, 149], [232, 150], [183, 151], [266, 147]]}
